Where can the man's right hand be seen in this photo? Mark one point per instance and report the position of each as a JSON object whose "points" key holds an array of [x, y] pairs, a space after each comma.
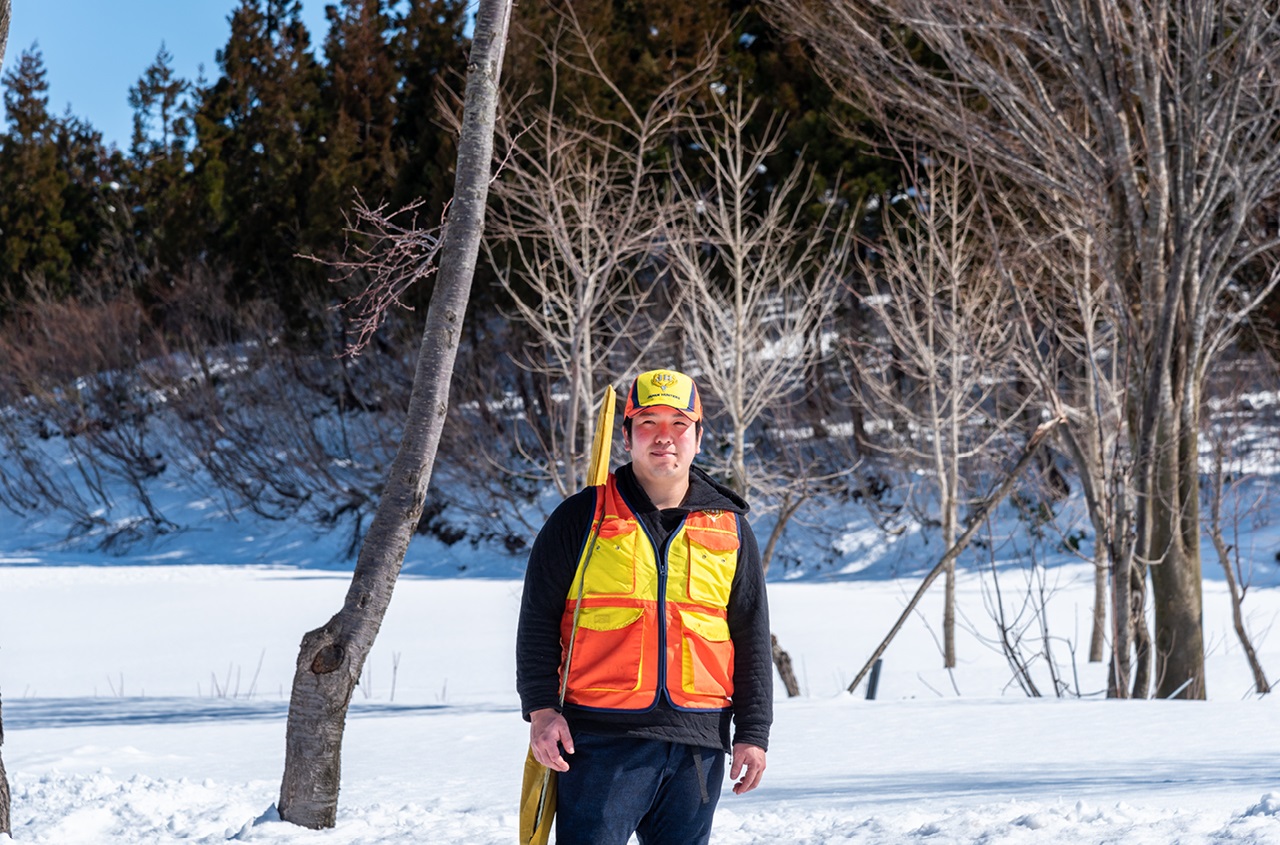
{"points": [[547, 732]]}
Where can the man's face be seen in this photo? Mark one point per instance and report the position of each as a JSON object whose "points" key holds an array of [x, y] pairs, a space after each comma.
{"points": [[663, 442]]}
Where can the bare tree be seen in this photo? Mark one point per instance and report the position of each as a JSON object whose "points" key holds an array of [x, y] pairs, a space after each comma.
{"points": [[1226, 490], [1078, 357], [933, 379], [759, 280], [331, 658], [4, 780], [4, 27], [80, 370], [1168, 112], [578, 210], [759, 283], [975, 521], [5, 826]]}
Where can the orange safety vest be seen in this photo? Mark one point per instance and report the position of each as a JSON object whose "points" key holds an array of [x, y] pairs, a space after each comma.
{"points": [[649, 623]]}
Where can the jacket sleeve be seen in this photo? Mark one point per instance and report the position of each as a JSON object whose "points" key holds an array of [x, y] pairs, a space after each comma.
{"points": [[748, 616], [552, 562]]}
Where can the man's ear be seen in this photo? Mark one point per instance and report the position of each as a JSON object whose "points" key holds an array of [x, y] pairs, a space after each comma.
{"points": [[626, 438]]}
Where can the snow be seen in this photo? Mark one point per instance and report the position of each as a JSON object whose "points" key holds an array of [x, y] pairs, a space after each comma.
{"points": [[145, 695]]}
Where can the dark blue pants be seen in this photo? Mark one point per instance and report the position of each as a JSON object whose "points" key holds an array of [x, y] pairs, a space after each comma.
{"points": [[664, 792]]}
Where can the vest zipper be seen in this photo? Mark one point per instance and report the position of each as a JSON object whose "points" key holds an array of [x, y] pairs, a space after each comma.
{"points": [[660, 557], [662, 611]]}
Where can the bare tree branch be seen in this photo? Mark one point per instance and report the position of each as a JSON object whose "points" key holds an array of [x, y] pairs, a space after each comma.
{"points": [[975, 522]]}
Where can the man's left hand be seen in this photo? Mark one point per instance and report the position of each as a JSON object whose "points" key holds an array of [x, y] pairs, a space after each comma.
{"points": [[747, 768]]}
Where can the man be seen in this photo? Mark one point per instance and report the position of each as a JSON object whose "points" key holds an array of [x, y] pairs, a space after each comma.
{"points": [[655, 580]]}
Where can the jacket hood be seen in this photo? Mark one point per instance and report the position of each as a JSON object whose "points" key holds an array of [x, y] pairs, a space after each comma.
{"points": [[705, 493]]}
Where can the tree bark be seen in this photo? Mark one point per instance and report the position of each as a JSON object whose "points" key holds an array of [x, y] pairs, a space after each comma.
{"points": [[1139, 633], [4, 779], [1098, 634], [4, 27], [782, 661], [331, 657], [1173, 557]]}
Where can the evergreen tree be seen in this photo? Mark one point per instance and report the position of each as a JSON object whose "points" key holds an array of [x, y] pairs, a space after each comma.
{"points": [[93, 206], [428, 47], [257, 158], [158, 154], [159, 125], [36, 238], [645, 43], [357, 152]]}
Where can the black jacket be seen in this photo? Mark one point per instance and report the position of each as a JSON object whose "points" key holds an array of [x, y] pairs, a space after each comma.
{"points": [[552, 564]]}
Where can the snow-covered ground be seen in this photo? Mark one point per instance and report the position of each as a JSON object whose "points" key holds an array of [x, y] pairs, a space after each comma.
{"points": [[144, 701]]}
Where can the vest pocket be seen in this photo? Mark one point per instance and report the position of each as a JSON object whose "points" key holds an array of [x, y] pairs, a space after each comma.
{"points": [[707, 659], [612, 569], [607, 650], [710, 570]]}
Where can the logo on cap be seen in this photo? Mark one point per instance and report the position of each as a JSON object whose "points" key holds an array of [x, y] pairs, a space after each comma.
{"points": [[664, 387]]}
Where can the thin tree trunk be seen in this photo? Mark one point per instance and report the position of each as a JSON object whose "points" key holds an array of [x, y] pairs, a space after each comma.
{"points": [[4, 27], [1260, 683], [781, 659], [786, 672], [331, 657], [1098, 637], [976, 520], [4, 779], [1121, 670], [1139, 632]]}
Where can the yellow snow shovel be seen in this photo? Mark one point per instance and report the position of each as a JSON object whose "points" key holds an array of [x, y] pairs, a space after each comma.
{"points": [[538, 791]]}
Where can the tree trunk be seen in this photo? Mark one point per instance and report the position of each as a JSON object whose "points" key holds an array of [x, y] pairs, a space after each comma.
{"points": [[1098, 637], [949, 520], [4, 779], [782, 661], [1082, 442], [331, 658], [4, 27], [1260, 683], [1121, 671], [1173, 511], [1139, 632]]}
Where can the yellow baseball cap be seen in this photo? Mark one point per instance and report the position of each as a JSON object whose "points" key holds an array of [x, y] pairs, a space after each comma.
{"points": [[664, 387]]}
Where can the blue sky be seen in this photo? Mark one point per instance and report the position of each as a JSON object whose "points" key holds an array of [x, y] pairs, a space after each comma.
{"points": [[94, 50]]}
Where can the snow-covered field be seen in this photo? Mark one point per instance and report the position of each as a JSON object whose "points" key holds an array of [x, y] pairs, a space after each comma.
{"points": [[144, 701]]}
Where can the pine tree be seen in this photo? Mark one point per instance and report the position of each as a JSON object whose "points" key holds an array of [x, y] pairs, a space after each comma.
{"points": [[36, 239], [92, 205], [358, 114], [158, 156], [428, 47], [159, 126], [256, 128], [645, 43]]}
